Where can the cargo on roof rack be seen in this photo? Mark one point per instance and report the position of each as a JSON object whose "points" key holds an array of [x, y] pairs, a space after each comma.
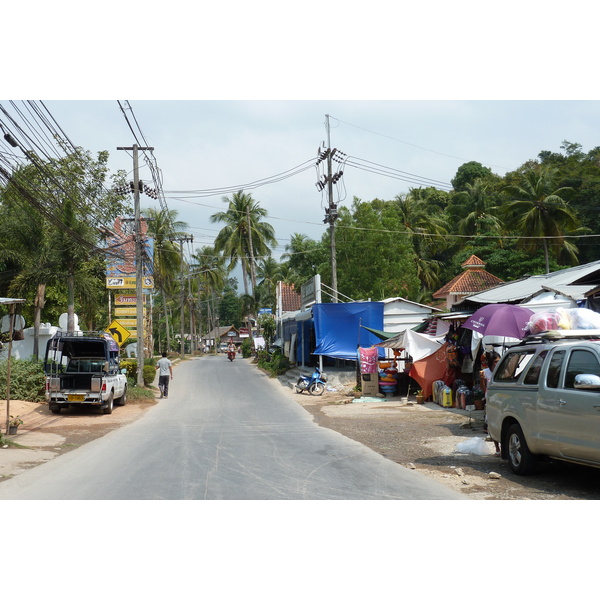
{"points": [[563, 334]]}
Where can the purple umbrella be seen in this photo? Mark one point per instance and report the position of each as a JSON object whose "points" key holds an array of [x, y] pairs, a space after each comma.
{"points": [[507, 320]]}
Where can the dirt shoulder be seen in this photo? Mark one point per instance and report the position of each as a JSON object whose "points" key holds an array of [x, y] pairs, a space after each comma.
{"points": [[44, 435]]}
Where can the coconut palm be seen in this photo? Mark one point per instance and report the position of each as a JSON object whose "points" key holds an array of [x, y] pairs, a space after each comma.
{"points": [[479, 209], [538, 211], [165, 229], [244, 236], [209, 275]]}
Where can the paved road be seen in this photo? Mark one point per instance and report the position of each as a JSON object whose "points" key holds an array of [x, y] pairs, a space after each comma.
{"points": [[226, 432]]}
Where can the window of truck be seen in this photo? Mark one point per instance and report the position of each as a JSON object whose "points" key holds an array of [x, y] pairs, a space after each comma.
{"points": [[580, 362], [512, 365]]}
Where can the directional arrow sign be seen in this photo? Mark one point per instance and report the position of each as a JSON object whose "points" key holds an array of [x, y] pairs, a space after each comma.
{"points": [[119, 333]]}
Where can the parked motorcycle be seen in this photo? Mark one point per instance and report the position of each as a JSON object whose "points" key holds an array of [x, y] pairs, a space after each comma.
{"points": [[314, 385]]}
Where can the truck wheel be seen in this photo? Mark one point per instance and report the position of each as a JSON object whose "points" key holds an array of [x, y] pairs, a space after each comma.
{"points": [[122, 401], [55, 409], [316, 389], [520, 459], [107, 410]]}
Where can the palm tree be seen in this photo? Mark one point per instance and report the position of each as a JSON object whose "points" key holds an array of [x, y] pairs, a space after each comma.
{"points": [[478, 209], [538, 211], [164, 229], [244, 236], [428, 231], [268, 272], [209, 275]]}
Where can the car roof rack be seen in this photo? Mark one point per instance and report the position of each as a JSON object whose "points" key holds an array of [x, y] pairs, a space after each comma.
{"points": [[92, 334], [555, 335]]}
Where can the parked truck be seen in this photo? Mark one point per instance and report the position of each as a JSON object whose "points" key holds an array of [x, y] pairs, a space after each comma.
{"points": [[83, 368], [544, 400]]}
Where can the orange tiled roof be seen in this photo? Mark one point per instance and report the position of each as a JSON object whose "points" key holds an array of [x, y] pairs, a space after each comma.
{"points": [[290, 298], [473, 279]]}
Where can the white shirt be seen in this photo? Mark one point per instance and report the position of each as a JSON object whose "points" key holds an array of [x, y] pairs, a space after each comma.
{"points": [[164, 365]]}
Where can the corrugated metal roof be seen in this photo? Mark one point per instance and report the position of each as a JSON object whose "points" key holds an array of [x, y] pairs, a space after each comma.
{"points": [[566, 280]]}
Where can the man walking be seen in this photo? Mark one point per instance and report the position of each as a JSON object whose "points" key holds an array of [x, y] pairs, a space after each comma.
{"points": [[166, 370]]}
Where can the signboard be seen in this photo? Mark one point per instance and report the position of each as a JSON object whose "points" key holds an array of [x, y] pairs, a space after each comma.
{"points": [[130, 311], [244, 333], [265, 311], [128, 282], [123, 299], [310, 292], [128, 322], [118, 332]]}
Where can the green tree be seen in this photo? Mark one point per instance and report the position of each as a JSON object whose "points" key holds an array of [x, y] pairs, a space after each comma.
{"points": [[537, 211], [468, 173], [245, 235], [374, 254], [427, 231], [165, 229]]}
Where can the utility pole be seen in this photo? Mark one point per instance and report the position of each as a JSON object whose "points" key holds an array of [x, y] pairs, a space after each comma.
{"points": [[331, 213], [139, 271]]}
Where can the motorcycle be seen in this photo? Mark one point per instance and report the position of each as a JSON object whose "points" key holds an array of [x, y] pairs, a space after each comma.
{"points": [[231, 354], [314, 385]]}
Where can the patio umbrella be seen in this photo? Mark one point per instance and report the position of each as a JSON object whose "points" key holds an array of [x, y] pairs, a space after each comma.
{"points": [[506, 320]]}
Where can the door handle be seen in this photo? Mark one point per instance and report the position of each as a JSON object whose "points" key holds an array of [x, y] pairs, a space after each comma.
{"points": [[561, 402]]}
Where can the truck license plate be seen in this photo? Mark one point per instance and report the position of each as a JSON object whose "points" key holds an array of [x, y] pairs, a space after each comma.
{"points": [[76, 397]]}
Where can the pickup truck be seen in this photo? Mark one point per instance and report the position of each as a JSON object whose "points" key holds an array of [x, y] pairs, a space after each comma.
{"points": [[544, 400], [84, 369]]}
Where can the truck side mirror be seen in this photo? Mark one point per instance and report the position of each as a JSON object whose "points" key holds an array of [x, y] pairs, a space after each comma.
{"points": [[585, 381]]}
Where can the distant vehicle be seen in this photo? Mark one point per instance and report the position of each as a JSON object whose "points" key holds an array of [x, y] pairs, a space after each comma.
{"points": [[544, 400], [83, 369], [223, 347]]}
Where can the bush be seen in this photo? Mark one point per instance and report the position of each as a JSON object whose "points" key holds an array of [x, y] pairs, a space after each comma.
{"points": [[149, 371], [27, 380], [149, 374], [247, 348], [275, 364]]}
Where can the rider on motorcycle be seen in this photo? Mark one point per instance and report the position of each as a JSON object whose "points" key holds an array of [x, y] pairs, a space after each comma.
{"points": [[231, 350]]}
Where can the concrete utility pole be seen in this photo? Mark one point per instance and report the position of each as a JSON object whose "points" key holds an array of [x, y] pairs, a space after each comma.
{"points": [[331, 216], [139, 271]]}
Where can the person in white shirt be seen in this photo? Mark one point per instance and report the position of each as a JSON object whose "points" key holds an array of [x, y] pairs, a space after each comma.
{"points": [[165, 374]]}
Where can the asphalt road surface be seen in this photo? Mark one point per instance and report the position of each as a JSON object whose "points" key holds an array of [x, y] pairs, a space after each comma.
{"points": [[226, 432]]}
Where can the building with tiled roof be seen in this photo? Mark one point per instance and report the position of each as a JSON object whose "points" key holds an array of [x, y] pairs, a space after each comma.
{"points": [[288, 298], [472, 280]]}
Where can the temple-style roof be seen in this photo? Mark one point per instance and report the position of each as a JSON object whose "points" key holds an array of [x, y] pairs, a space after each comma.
{"points": [[472, 280]]}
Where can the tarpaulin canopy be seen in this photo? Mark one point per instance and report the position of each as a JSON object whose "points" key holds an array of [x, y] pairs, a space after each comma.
{"points": [[382, 335], [418, 345], [338, 328]]}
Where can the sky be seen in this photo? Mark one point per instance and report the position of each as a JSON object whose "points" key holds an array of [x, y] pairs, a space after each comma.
{"points": [[202, 146]]}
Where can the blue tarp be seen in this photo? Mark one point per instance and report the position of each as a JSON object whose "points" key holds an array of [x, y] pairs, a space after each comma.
{"points": [[338, 328]]}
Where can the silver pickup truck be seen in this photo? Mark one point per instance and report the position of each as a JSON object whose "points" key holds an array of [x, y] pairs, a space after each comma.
{"points": [[544, 400], [84, 369]]}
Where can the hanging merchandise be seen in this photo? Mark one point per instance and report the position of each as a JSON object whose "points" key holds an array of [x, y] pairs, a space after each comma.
{"points": [[368, 360]]}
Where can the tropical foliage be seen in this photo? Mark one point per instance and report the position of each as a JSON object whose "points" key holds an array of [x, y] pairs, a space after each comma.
{"points": [[541, 216]]}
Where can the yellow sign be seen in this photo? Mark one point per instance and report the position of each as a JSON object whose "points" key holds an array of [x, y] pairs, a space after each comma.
{"points": [[127, 312], [128, 282], [119, 333], [128, 322]]}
